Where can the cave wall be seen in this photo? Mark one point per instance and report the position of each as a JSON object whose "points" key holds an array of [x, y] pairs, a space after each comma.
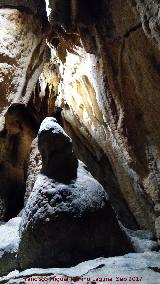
{"points": [[22, 56], [104, 73], [37, 7], [22, 46], [15, 142], [109, 92]]}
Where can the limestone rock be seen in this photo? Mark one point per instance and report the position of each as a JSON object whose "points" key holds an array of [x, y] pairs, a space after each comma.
{"points": [[157, 225], [137, 267], [37, 7], [150, 18], [142, 241], [15, 140], [67, 221], [22, 56], [34, 165], [9, 241], [109, 92], [58, 160], [22, 46]]}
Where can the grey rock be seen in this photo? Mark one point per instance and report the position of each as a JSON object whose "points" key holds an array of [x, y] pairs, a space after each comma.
{"points": [[141, 240], [65, 223], [150, 18], [55, 146], [139, 267], [9, 241], [34, 166], [157, 226]]}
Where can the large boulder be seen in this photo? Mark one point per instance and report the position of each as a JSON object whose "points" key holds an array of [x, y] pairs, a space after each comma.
{"points": [[66, 220]]}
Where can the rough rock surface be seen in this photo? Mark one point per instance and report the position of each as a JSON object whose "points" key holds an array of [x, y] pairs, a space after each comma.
{"points": [[150, 18], [37, 7], [141, 268], [34, 166], [110, 96], [66, 221], [22, 56], [55, 146], [9, 242], [22, 45], [15, 139], [142, 241]]}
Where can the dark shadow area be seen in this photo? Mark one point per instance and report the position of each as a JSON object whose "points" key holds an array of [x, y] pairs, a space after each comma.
{"points": [[15, 201], [58, 116]]}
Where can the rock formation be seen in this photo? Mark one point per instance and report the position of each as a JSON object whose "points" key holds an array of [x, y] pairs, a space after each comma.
{"points": [[109, 93], [15, 140], [34, 165], [67, 218], [144, 265], [9, 241], [100, 79], [38, 7], [22, 56], [22, 47], [58, 159]]}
